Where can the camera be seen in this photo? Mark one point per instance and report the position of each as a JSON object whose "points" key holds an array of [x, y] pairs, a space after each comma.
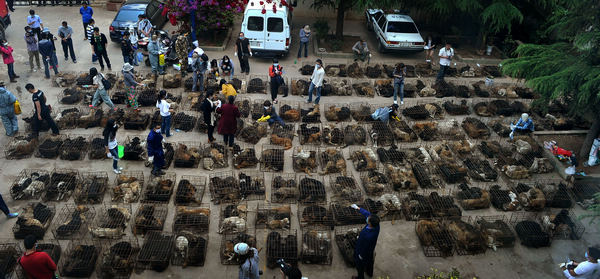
{"points": [[286, 268]]}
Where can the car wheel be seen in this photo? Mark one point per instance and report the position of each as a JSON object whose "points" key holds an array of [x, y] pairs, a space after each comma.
{"points": [[380, 47]]}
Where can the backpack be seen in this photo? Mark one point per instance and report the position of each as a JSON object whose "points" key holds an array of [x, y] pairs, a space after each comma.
{"points": [[107, 85]]}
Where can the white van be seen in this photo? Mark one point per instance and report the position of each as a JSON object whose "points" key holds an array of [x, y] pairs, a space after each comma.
{"points": [[268, 33]]}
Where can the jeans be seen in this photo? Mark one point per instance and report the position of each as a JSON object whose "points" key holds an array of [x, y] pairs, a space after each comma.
{"points": [[37, 123], [364, 266], [311, 88], [243, 57], [441, 73], [11, 125], [100, 55], [198, 77], [102, 94], [55, 59], [34, 54], [361, 56], [156, 67], [305, 45], [128, 58], [399, 88], [228, 139], [11, 71], [275, 119], [210, 131], [3, 206], [50, 61], [115, 156], [85, 34], [165, 126], [67, 46]]}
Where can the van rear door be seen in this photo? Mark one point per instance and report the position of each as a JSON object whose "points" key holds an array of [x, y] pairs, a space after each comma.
{"points": [[255, 31], [275, 39]]}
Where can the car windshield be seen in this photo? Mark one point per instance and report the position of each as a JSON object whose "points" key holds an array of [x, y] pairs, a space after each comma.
{"points": [[401, 27], [128, 15]]}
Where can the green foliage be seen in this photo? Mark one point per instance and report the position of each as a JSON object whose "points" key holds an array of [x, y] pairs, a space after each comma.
{"points": [[500, 15], [321, 28], [336, 44]]}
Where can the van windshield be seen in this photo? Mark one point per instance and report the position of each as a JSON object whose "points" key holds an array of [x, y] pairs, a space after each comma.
{"points": [[275, 24], [401, 27], [256, 23]]}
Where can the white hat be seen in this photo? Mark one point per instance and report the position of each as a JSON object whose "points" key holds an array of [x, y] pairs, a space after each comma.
{"points": [[241, 248], [127, 67], [524, 116]]}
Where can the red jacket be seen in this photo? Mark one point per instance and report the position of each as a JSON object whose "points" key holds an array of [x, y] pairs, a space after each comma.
{"points": [[228, 122], [38, 265], [272, 73], [7, 54]]}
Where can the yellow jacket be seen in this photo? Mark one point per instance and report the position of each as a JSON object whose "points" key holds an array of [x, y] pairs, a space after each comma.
{"points": [[228, 90]]}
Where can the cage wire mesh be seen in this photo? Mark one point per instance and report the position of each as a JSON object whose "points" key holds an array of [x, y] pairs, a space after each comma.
{"points": [[233, 218], [49, 146], [90, 117], [224, 187], [416, 206], [363, 88], [9, 256], [253, 131], [402, 131], [529, 230], [156, 251], [111, 221], [452, 172], [374, 182], [426, 176], [388, 206], [282, 244], [530, 198], [480, 169], [252, 185], [457, 107], [190, 190], [134, 149], [476, 128], [67, 117], [185, 120], [215, 156], [381, 134], [257, 84], [127, 186], [584, 192], [310, 113], [361, 112], [91, 188], [304, 159], [333, 134], [62, 184], [192, 218], [344, 214], [426, 130], [283, 135], [317, 214], [97, 149], [309, 134], [332, 160], [338, 112], [257, 109], [312, 189], [187, 154], [555, 191], [74, 148], [289, 111], [496, 230], [299, 86], [72, 221], [316, 246], [149, 217], [345, 238], [244, 156], [43, 126], [450, 130], [284, 188], [136, 120], [244, 104], [29, 184], [80, 257], [118, 258], [345, 188], [273, 217], [474, 195], [272, 158], [34, 219], [190, 249], [562, 224], [363, 158], [159, 188], [70, 96], [228, 242], [434, 237], [468, 238], [20, 147]]}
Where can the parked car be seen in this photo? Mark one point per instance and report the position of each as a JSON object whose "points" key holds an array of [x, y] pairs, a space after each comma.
{"points": [[128, 15], [268, 33], [394, 31]]}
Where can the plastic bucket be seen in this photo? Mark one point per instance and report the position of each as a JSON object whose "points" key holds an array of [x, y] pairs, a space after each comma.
{"points": [[121, 151]]}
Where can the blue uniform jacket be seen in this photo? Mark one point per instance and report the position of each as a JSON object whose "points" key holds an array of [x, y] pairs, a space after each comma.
{"points": [[367, 239], [524, 125], [154, 144]]}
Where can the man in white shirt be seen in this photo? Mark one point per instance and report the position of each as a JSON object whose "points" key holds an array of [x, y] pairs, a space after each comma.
{"points": [[446, 54], [144, 26], [588, 269], [316, 82]]}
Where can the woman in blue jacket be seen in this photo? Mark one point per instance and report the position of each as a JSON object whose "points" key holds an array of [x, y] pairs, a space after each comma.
{"points": [[365, 244], [155, 150]]}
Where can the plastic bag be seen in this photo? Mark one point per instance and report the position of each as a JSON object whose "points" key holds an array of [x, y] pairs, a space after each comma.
{"points": [[177, 67], [161, 59], [140, 57], [593, 156]]}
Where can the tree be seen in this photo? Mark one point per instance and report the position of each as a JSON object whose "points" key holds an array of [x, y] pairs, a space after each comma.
{"points": [[569, 68]]}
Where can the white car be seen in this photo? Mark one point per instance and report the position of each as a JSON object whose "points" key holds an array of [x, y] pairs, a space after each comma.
{"points": [[394, 31]]}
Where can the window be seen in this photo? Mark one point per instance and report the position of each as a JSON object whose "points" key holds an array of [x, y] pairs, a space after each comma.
{"points": [[274, 24], [401, 27], [381, 22], [255, 23], [128, 15]]}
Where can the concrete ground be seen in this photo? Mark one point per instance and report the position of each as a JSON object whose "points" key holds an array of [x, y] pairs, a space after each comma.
{"points": [[399, 254]]}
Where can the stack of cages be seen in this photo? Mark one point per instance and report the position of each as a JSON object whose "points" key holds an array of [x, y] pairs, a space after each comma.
{"points": [[156, 251], [252, 184], [244, 156], [272, 158], [345, 188], [282, 244], [313, 209], [72, 221], [474, 195], [337, 112], [283, 135], [363, 158], [333, 134], [111, 221], [583, 192], [74, 148], [402, 131], [562, 224], [381, 134], [468, 238], [284, 188], [91, 117], [190, 190], [9, 260], [224, 187], [215, 156], [244, 104], [361, 112], [310, 113], [21, 147], [304, 159], [187, 154], [30, 184], [127, 187], [185, 120], [118, 258], [134, 148], [332, 160], [435, 238], [97, 149], [92, 187], [556, 192], [191, 235], [149, 217], [258, 84], [299, 86], [375, 182], [228, 242], [257, 109], [49, 147], [67, 117], [159, 188], [496, 230], [34, 219], [80, 258], [309, 134], [530, 230], [49, 246], [345, 238], [317, 245], [363, 88], [63, 183], [289, 111]]}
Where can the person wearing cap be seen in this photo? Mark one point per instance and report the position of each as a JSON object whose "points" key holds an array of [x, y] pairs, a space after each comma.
{"points": [[248, 257], [65, 32], [42, 111], [275, 72], [304, 39], [364, 248], [227, 88], [587, 269], [86, 16], [270, 115], [130, 84], [47, 51], [7, 57], [208, 108], [316, 81], [243, 51], [127, 49], [523, 126], [383, 114], [35, 22], [33, 51], [144, 26], [98, 42], [36, 264], [7, 111], [361, 50]]}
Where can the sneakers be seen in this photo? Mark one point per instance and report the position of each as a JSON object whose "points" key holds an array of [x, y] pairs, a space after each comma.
{"points": [[308, 101], [117, 171], [402, 102], [66, 58], [395, 102], [12, 215]]}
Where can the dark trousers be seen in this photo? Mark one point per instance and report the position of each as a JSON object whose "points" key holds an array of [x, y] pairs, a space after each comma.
{"points": [[210, 132], [275, 82], [85, 34], [243, 57], [67, 46], [305, 46], [11, 71], [37, 123], [10, 4], [442, 72], [228, 139], [165, 126], [37, 31], [128, 58], [364, 266], [101, 55], [158, 163], [3, 206]]}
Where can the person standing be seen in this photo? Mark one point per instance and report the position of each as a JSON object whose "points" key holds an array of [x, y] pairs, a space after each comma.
{"points": [[144, 26], [6, 210], [583, 270], [399, 73], [130, 84], [365, 244], [208, 108], [111, 144], [8, 59], [199, 67], [98, 42], [429, 49], [181, 48], [155, 150], [31, 40], [154, 51], [36, 264], [65, 32], [446, 54], [89, 31], [46, 50], [46, 33], [86, 16], [316, 81], [100, 90], [361, 50], [242, 48], [42, 111], [304, 39], [165, 112], [35, 22], [275, 72], [7, 111], [226, 66], [228, 121], [127, 49], [248, 257]]}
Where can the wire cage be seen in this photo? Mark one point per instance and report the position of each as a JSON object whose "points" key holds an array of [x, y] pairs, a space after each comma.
{"points": [[312, 189], [156, 119], [338, 112], [468, 238], [134, 148], [9, 256], [356, 134], [215, 155], [244, 105], [304, 159], [224, 187], [363, 158], [496, 230], [190, 190], [434, 237], [67, 117], [317, 214], [473, 196], [49, 147], [147, 97], [584, 191], [252, 185], [92, 188], [530, 198], [449, 130], [282, 244], [374, 182], [452, 172], [562, 224], [149, 217], [345, 188], [29, 184], [480, 169], [244, 156], [136, 120], [80, 257], [345, 238], [500, 126], [272, 158], [555, 191], [442, 203], [258, 84], [309, 134], [127, 187], [381, 134], [461, 107], [427, 130], [72, 221], [156, 251], [283, 135], [419, 112], [284, 188], [111, 221], [332, 160], [476, 128], [228, 242], [426, 176], [90, 117], [118, 258], [159, 188], [385, 87], [253, 131], [187, 154], [310, 113], [233, 218], [317, 246], [192, 218], [465, 149], [189, 249], [257, 109], [333, 134], [273, 217], [185, 120], [402, 131], [289, 111], [388, 206], [361, 111], [416, 206], [529, 230], [344, 214], [34, 219], [20, 147], [97, 149], [62, 184], [43, 127], [71, 96], [299, 86], [364, 88]]}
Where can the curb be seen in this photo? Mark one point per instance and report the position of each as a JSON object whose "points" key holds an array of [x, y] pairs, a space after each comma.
{"points": [[221, 47], [326, 54]]}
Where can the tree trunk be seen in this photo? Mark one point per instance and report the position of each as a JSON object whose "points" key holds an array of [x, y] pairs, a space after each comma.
{"points": [[339, 26], [584, 152]]}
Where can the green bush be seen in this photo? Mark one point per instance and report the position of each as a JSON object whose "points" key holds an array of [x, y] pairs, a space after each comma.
{"points": [[321, 28], [336, 44]]}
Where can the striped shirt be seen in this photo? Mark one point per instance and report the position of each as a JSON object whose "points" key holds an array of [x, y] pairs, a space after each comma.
{"points": [[90, 31]]}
